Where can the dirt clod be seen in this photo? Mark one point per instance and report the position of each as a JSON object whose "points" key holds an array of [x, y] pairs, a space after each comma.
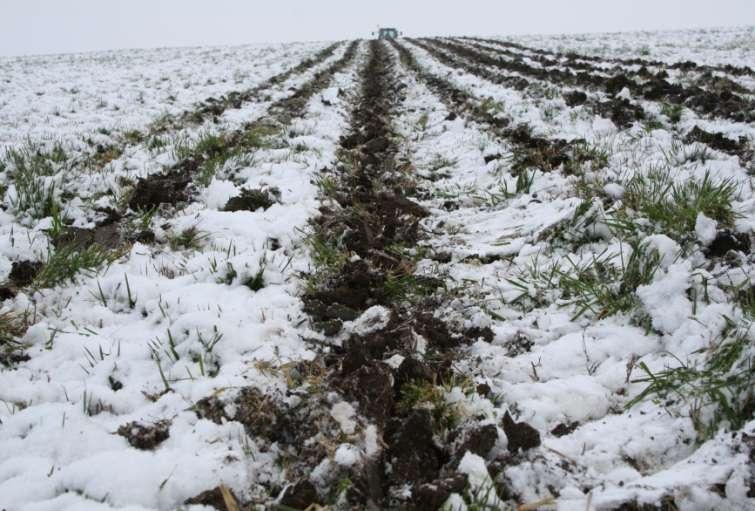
{"points": [[563, 429], [252, 200], [520, 434], [372, 386], [299, 496], [431, 496], [152, 191], [413, 453], [211, 498], [145, 436], [727, 240], [479, 441]]}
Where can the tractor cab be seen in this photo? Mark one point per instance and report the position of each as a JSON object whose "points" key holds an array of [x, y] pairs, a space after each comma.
{"points": [[388, 33]]}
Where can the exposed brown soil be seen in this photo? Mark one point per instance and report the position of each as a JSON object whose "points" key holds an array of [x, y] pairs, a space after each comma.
{"points": [[21, 275], [520, 434], [726, 241], [212, 498], [719, 142], [214, 107], [145, 436], [252, 200]]}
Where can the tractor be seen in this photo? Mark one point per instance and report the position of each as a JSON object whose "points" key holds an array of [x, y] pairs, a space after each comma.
{"points": [[388, 33]]}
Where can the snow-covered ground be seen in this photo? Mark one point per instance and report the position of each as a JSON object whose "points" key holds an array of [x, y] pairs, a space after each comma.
{"points": [[611, 296], [715, 46], [67, 96]]}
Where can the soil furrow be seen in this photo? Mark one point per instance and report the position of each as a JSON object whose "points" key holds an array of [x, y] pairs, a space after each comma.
{"points": [[572, 58], [172, 186], [621, 111], [371, 216], [214, 107], [529, 150], [723, 104]]}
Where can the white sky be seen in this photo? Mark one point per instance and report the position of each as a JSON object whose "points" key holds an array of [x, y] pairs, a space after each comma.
{"points": [[61, 26]]}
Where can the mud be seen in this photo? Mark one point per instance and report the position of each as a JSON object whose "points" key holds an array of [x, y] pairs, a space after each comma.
{"points": [[374, 212]]}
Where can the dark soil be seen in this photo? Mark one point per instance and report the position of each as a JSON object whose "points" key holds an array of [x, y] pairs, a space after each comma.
{"points": [[258, 413], [719, 142], [300, 495], [530, 150], [252, 200], [727, 240], [479, 441], [374, 213], [716, 99], [412, 452], [520, 434], [214, 107], [211, 498], [145, 436], [106, 236], [22, 274], [431, 496], [169, 188], [563, 429]]}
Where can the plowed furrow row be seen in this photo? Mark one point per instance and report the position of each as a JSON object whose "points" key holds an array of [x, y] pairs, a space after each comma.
{"points": [[725, 104], [529, 150], [573, 58], [172, 186]]}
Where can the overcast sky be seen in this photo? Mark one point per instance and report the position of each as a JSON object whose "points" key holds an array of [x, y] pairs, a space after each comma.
{"points": [[62, 26]]}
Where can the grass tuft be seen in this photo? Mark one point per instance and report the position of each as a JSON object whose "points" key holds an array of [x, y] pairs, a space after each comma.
{"points": [[718, 389], [674, 207], [63, 264]]}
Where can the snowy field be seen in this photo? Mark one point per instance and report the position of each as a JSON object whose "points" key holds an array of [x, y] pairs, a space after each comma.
{"points": [[456, 273]]}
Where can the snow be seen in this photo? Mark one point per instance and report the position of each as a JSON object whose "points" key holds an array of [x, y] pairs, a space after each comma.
{"points": [[144, 320], [705, 228]]}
